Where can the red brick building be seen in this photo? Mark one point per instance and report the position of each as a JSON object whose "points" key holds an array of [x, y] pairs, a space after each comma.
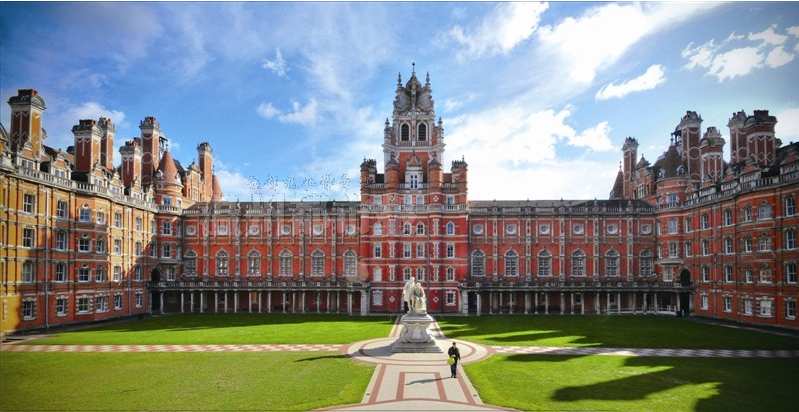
{"points": [[84, 240]]}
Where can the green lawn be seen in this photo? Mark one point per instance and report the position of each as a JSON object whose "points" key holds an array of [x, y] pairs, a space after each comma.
{"points": [[620, 383], [607, 331], [231, 329], [179, 381]]}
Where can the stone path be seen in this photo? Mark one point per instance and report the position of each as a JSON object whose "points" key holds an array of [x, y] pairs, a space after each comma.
{"points": [[405, 381]]}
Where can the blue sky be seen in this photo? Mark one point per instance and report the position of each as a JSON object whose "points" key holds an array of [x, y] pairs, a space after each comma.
{"points": [[537, 97]]}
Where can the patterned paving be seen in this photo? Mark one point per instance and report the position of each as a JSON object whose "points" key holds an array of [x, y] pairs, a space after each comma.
{"points": [[670, 353], [169, 348]]}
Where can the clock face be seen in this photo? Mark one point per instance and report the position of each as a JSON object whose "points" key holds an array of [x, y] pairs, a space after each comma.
{"points": [[511, 229], [191, 230], [285, 229], [317, 230], [544, 229], [646, 229], [578, 229], [254, 229], [477, 229], [612, 229], [350, 229]]}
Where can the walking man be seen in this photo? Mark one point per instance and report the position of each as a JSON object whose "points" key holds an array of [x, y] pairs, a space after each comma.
{"points": [[455, 356]]}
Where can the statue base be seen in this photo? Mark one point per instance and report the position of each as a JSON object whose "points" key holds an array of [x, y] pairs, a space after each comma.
{"points": [[414, 337]]}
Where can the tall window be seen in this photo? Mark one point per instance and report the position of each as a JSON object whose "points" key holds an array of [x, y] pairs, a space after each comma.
{"points": [[99, 274], [28, 200], [420, 250], [748, 244], [764, 243], [747, 213], [406, 229], [422, 132], [254, 263], [378, 229], [286, 264], [450, 250], [166, 228], [83, 304], [790, 272], [790, 239], [705, 245], [612, 263], [405, 133], [728, 274], [764, 212], [705, 273], [727, 245], [83, 274], [765, 275], [406, 274], [350, 263], [544, 263], [27, 237], [420, 228], [117, 219], [117, 273], [646, 263], [420, 274], [406, 250], [578, 263], [61, 209], [790, 309], [765, 308], [727, 303], [27, 272], [61, 240], [377, 250], [450, 228], [29, 309], [85, 214], [511, 263], [190, 263], [674, 249], [222, 263], [705, 221], [450, 274], [672, 226], [688, 249], [478, 263], [61, 306], [60, 272], [727, 217], [790, 206], [317, 263]]}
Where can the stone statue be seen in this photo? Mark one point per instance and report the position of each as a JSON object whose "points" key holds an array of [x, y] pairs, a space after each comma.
{"points": [[407, 293], [419, 301]]}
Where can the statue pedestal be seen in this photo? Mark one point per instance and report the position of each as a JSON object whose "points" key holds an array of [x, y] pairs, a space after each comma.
{"points": [[414, 337]]}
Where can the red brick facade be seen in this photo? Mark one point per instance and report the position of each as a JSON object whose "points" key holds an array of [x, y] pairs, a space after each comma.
{"points": [[689, 234]]}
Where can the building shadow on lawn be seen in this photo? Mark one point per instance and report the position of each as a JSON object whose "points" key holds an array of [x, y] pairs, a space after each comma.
{"points": [[730, 391], [314, 358]]}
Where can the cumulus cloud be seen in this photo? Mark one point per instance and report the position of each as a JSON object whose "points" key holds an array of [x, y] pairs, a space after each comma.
{"points": [[307, 115], [267, 110], [738, 55], [59, 124], [501, 31], [600, 37], [654, 76], [277, 66], [768, 36]]}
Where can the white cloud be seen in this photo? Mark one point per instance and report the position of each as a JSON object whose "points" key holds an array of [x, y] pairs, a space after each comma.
{"points": [[736, 62], [653, 77], [787, 127], [778, 57], [768, 36], [277, 66], [306, 116], [599, 37], [267, 110], [59, 124], [727, 62], [793, 31], [595, 138], [507, 26]]}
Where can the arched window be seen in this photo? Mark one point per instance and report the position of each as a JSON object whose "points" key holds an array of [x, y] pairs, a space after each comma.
{"points": [[350, 263], [254, 263], [377, 275], [478, 263], [646, 263], [406, 229], [612, 263], [422, 132], [450, 274], [511, 263], [420, 274], [222, 266], [578, 263], [450, 228], [405, 132], [420, 228], [190, 263], [378, 228], [317, 263], [544, 263], [286, 264], [406, 273]]}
